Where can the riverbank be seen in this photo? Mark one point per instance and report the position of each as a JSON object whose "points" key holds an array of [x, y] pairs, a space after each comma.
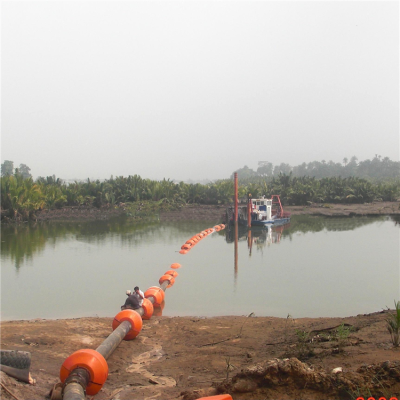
{"points": [[189, 357], [250, 357], [202, 212], [199, 212]]}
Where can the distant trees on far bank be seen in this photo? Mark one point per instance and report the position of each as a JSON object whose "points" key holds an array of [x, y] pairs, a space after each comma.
{"points": [[7, 169], [21, 196], [376, 169]]}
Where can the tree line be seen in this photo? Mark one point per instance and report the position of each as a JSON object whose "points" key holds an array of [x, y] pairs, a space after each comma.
{"points": [[376, 169], [22, 197]]}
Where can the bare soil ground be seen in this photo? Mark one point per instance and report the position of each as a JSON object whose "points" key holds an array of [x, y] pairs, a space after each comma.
{"points": [[201, 212], [188, 357], [217, 212], [249, 357]]}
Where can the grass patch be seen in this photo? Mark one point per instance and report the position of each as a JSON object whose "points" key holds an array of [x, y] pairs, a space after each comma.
{"points": [[393, 324]]}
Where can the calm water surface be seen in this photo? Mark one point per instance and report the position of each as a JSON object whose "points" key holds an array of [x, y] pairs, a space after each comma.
{"points": [[315, 267]]}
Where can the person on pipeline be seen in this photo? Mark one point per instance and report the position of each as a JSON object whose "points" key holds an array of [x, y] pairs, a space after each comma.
{"points": [[139, 294], [131, 303]]}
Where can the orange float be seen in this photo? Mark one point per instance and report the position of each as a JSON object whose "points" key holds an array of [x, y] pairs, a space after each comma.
{"points": [[156, 293], [93, 362], [135, 320], [217, 397], [186, 246], [217, 228], [190, 242], [176, 265], [222, 226], [148, 309], [172, 273], [183, 251], [169, 278]]}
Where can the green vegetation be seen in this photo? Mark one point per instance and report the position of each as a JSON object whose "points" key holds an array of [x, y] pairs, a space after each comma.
{"points": [[342, 333], [21, 197], [393, 325], [304, 344]]}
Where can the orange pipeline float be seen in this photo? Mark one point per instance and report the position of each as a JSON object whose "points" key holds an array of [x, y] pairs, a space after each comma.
{"points": [[86, 370], [134, 318], [188, 245], [156, 294], [148, 309], [166, 278], [93, 362], [174, 274]]}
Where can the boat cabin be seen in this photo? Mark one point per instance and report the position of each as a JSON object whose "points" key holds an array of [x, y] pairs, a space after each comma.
{"points": [[261, 209]]}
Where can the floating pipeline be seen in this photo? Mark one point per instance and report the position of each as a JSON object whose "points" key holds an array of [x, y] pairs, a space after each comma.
{"points": [[189, 244], [85, 371]]}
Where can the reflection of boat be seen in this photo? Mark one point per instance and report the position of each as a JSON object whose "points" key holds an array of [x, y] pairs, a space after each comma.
{"points": [[257, 235], [266, 236], [265, 212]]}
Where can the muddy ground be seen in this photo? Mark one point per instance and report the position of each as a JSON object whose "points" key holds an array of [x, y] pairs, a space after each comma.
{"points": [[189, 357], [202, 212], [249, 357]]}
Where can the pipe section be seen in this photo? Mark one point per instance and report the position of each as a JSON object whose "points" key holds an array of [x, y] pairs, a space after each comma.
{"points": [[79, 378], [75, 384], [114, 339]]}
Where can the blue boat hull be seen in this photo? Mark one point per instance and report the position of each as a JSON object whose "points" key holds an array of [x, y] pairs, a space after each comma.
{"points": [[271, 222]]}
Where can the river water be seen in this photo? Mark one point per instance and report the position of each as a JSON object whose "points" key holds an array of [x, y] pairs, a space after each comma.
{"points": [[316, 267]]}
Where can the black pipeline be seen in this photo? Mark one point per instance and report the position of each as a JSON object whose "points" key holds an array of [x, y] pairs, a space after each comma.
{"points": [[85, 371]]}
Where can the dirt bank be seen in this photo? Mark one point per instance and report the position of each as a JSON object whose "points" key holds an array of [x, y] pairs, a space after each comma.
{"points": [[202, 212], [189, 357], [336, 210], [216, 212]]}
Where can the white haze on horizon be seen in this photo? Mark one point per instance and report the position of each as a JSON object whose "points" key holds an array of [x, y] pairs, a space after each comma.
{"points": [[196, 90]]}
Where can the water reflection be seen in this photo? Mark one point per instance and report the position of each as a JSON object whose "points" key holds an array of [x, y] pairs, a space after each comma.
{"points": [[307, 274], [257, 236], [236, 239], [21, 243], [260, 237], [158, 310], [310, 223]]}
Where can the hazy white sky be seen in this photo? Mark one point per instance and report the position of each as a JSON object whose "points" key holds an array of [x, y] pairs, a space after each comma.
{"points": [[196, 89]]}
